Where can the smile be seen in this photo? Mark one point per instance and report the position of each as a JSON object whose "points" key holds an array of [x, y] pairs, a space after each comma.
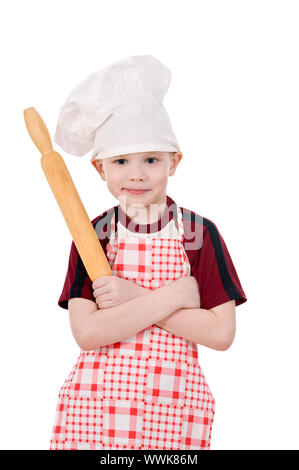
{"points": [[136, 191]]}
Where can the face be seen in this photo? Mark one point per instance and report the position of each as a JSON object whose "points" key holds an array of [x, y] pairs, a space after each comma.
{"points": [[147, 172]]}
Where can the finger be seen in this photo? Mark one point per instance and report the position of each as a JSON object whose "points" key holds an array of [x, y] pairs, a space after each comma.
{"points": [[102, 303], [100, 282], [101, 291], [103, 298]]}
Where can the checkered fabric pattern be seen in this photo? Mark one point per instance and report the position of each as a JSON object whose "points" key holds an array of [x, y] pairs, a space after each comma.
{"points": [[124, 378], [196, 430], [169, 347], [197, 393], [58, 432], [162, 426], [166, 382], [148, 391], [83, 420], [123, 420], [134, 258], [150, 262]]}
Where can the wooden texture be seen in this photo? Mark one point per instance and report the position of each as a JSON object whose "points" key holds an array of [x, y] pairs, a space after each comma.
{"points": [[68, 199]]}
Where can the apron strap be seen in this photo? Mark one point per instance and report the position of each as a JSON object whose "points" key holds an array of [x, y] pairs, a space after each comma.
{"points": [[180, 224]]}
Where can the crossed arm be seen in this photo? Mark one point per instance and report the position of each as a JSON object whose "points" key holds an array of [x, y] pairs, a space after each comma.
{"points": [[93, 327], [212, 328]]}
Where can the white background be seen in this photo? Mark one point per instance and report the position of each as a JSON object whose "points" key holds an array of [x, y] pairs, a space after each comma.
{"points": [[233, 103]]}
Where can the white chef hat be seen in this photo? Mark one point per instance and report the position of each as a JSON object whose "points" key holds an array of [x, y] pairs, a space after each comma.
{"points": [[118, 110]]}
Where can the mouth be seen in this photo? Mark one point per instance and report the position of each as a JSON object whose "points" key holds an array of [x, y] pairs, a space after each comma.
{"points": [[136, 191]]}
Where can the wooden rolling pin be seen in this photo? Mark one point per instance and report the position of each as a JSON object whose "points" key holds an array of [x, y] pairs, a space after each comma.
{"points": [[66, 194]]}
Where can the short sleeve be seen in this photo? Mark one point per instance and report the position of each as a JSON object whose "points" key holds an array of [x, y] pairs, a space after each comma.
{"points": [[77, 282], [214, 270]]}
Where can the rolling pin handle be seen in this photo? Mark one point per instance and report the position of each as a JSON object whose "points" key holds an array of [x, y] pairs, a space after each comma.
{"points": [[38, 131]]}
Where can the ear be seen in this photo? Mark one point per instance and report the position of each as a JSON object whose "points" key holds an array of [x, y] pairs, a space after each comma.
{"points": [[98, 164], [174, 162]]}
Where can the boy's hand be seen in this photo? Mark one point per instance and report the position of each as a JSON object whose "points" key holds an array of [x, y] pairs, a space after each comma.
{"points": [[112, 290]]}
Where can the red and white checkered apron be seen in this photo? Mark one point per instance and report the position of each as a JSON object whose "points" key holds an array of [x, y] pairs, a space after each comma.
{"points": [[147, 392]]}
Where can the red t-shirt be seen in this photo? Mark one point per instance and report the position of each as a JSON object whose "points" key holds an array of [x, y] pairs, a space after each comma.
{"points": [[210, 261]]}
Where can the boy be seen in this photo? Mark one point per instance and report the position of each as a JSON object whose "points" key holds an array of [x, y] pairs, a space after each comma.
{"points": [[137, 383]]}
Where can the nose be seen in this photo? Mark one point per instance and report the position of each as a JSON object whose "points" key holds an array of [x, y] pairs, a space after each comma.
{"points": [[136, 173], [136, 178]]}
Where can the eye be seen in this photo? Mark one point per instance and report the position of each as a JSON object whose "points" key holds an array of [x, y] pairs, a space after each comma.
{"points": [[120, 161], [151, 158]]}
